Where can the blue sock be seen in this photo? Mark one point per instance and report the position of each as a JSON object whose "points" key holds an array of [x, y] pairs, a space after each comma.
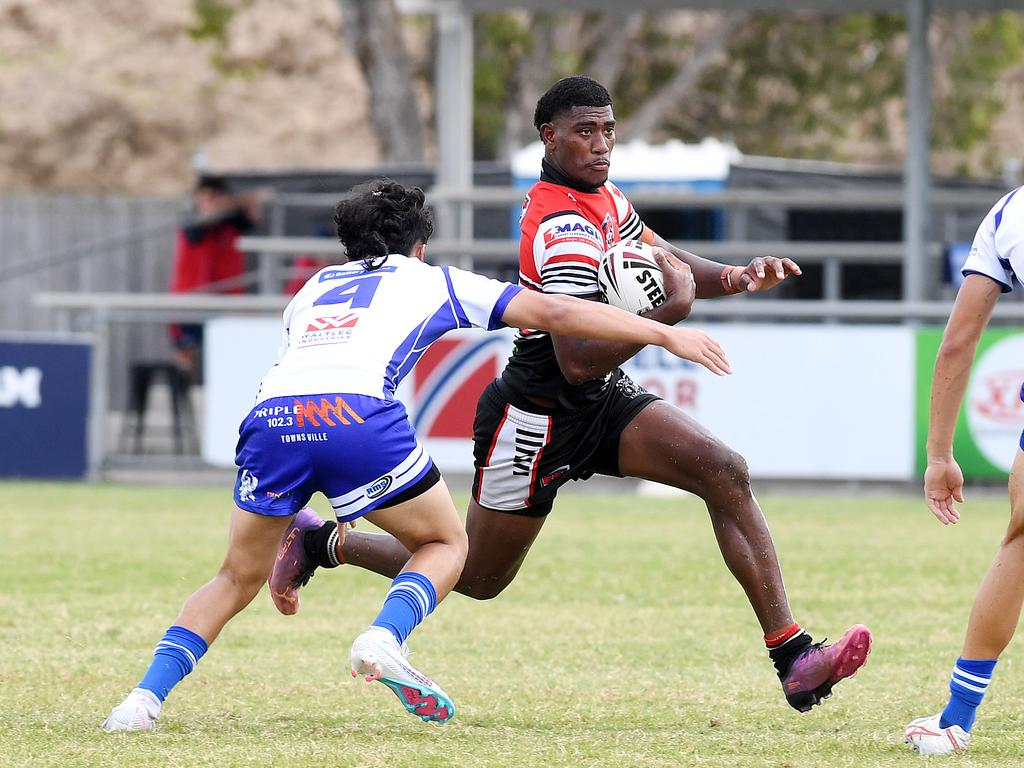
{"points": [[967, 687], [177, 654], [409, 601]]}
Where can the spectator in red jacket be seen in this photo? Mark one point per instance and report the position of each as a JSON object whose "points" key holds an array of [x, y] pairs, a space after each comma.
{"points": [[207, 258], [305, 265]]}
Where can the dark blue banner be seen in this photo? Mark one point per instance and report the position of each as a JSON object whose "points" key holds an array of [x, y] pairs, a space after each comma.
{"points": [[44, 408]]}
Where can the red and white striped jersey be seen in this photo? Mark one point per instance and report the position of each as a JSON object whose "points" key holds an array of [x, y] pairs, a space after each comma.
{"points": [[564, 231]]}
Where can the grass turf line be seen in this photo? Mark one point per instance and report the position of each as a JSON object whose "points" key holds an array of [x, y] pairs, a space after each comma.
{"points": [[623, 642]]}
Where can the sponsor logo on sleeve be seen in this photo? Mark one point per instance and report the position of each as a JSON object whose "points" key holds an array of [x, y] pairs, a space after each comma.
{"points": [[572, 232]]}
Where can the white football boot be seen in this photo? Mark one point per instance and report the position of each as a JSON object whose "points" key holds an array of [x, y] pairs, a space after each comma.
{"points": [[376, 655], [925, 736], [138, 712]]}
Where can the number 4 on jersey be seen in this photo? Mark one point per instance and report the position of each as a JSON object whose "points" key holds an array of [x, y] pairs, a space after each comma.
{"points": [[356, 293]]}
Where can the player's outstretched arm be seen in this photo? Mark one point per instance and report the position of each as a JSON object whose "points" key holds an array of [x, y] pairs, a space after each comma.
{"points": [[568, 316], [714, 279], [943, 480]]}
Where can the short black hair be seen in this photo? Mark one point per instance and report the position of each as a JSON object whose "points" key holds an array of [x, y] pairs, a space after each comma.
{"points": [[212, 183], [569, 92], [380, 217]]}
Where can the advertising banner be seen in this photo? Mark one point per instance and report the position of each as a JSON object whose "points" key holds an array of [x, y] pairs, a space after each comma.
{"points": [[442, 391], [237, 353], [992, 417], [805, 401], [44, 408]]}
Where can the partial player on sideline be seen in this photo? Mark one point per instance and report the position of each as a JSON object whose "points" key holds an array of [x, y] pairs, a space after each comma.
{"points": [[996, 261], [564, 410], [326, 419]]}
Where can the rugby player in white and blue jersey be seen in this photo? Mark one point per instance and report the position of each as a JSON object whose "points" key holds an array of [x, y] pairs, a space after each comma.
{"points": [[995, 266], [326, 420]]}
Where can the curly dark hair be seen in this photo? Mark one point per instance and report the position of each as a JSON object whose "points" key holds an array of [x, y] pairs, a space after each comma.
{"points": [[212, 183], [569, 92], [380, 217]]}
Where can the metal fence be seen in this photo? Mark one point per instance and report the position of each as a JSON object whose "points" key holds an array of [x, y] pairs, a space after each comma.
{"points": [[86, 244], [102, 264], [755, 225]]}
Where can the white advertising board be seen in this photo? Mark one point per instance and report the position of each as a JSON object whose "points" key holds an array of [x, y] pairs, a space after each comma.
{"points": [[237, 352], [804, 401]]}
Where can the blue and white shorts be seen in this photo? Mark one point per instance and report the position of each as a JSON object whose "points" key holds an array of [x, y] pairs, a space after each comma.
{"points": [[360, 452]]}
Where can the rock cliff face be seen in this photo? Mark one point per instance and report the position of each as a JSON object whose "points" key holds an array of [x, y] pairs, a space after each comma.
{"points": [[116, 95]]}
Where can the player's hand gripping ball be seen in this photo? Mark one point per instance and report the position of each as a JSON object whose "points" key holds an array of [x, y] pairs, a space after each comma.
{"points": [[630, 278]]}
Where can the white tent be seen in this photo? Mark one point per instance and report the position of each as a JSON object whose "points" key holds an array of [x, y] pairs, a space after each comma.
{"points": [[673, 162]]}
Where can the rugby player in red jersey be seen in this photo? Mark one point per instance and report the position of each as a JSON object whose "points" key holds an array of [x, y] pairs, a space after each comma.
{"points": [[563, 410]]}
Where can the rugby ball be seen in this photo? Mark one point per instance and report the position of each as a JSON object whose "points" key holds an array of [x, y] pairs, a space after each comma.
{"points": [[630, 278]]}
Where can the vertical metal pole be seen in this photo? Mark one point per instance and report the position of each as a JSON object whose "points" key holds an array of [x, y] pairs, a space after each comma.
{"points": [[267, 269], [453, 92], [100, 383], [738, 222], [832, 279], [916, 184], [949, 236]]}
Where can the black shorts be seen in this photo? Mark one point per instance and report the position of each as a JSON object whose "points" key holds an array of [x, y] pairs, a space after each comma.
{"points": [[522, 453]]}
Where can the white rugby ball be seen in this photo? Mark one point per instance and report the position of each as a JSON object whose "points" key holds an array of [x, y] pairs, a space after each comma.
{"points": [[630, 278]]}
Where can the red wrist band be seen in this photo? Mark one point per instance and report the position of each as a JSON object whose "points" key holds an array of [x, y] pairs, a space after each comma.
{"points": [[726, 279]]}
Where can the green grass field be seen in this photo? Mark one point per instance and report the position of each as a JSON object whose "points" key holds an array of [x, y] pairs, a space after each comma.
{"points": [[624, 641]]}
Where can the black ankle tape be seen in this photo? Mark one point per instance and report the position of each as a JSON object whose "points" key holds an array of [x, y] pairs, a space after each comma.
{"points": [[316, 543], [785, 654]]}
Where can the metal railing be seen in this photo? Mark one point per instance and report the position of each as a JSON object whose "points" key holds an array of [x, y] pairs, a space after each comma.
{"points": [[831, 198], [104, 312], [739, 204], [274, 252]]}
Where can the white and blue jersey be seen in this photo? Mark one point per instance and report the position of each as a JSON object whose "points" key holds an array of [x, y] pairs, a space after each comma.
{"points": [[326, 418], [998, 248]]}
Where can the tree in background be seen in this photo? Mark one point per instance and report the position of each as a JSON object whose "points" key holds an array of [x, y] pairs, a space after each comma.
{"points": [[373, 31], [801, 85], [824, 87], [980, 66], [334, 83]]}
